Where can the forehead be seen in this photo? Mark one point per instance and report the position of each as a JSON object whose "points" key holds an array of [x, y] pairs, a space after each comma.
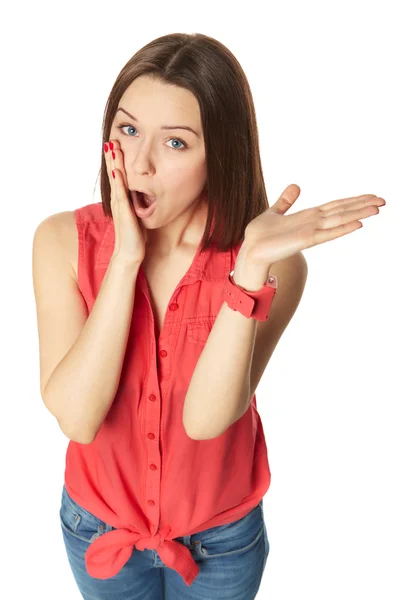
{"points": [[149, 99]]}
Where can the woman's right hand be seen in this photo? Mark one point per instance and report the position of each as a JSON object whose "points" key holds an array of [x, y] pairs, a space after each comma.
{"points": [[130, 235]]}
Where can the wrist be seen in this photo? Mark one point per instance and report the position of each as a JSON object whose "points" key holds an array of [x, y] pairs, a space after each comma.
{"points": [[249, 277], [125, 262], [247, 273]]}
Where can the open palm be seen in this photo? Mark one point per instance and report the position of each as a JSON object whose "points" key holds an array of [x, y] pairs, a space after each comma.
{"points": [[273, 236]]}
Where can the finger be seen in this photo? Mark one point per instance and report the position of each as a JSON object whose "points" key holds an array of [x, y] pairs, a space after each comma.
{"points": [[118, 186], [325, 235], [113, 175], [286, 199], [110, 167], [118, 162], [341, 224], [356, 203], [356, 200], [117, 167], [347, 216], [107, 157]]}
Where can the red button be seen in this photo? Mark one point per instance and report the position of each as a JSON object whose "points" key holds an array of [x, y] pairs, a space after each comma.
{"points": [[163, 353], [152, 397], [153, 467], [174, 306], [151, 436], [150, 502]]}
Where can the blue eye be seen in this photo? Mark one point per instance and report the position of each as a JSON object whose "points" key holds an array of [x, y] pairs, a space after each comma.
{"points": [[121, 127]]}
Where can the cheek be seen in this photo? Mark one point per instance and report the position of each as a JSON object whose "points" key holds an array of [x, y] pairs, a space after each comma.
{"points": [[190, 178], [187, 186]]}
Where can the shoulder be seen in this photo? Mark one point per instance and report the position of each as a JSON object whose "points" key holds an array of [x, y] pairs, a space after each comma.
{"points": [[61, 233]]}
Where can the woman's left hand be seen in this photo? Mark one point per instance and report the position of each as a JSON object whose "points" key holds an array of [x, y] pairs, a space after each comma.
{"points": [[272, 236]]}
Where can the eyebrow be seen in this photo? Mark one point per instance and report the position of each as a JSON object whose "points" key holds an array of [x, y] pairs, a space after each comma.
{"points": [[163, 126]]}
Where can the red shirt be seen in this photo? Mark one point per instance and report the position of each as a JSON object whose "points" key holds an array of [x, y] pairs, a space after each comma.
{"points": [[143, 474]]}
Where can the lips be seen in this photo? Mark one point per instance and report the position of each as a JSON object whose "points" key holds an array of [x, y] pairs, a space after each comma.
{"points": [[145, 192]]}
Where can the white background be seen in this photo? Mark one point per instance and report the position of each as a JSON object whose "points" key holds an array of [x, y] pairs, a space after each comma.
{"points": [[324, 77]]}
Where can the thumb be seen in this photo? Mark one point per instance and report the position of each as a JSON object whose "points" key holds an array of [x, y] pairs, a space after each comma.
{"points": [[286, 199]]}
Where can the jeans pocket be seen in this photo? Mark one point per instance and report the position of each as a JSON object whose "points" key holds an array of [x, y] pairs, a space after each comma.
{"points": [[79, 522], [231, 539]]}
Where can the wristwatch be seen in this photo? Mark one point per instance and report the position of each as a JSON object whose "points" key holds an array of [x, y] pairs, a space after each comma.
{"points": [[254, 305]]}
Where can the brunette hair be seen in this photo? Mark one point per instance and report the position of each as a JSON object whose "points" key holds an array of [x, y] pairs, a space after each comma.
{"points": [[204, 66]]}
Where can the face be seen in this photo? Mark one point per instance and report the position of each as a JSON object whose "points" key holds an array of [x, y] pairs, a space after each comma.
{"points": [[168, 163]]}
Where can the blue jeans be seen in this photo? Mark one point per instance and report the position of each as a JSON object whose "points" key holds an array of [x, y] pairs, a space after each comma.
{"points": [[231, 557]]}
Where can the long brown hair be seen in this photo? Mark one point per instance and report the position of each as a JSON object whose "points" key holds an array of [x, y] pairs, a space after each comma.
{"points": [[204, 66]]}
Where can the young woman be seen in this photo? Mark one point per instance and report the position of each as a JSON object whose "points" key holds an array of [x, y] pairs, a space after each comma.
{"points": [[158, 311]]}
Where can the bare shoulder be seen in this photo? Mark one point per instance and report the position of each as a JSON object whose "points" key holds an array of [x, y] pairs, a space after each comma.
{"points": [[66, 238]]}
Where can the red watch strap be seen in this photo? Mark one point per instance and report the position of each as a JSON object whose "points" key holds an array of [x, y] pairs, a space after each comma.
{"points": [[251, 304]]}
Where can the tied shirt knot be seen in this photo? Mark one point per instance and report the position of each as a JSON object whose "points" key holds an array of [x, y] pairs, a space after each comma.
{"points": [[108, 553]]}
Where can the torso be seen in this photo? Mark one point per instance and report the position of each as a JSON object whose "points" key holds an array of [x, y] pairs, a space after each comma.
{"points": [[162, 274]]}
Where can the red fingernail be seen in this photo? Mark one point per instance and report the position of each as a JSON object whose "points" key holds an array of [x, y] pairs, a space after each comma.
{"points": [[113, 154], [111, 146], [113, 174], [105, 147]]}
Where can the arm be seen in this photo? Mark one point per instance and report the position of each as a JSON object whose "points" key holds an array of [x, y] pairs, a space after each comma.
{"points": [[82, 387], [237, 352]]}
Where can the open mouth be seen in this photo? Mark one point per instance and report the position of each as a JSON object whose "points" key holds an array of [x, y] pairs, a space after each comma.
{"points": [[144, 201]]}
